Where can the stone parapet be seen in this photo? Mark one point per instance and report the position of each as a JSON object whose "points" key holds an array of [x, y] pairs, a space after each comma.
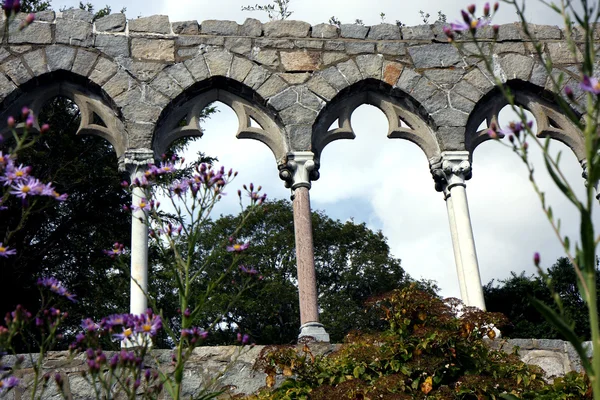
{"points": [[234, 367]]}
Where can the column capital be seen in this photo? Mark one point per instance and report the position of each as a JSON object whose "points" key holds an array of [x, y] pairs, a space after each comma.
{"points": [[133, 159], [450, 169], [300, 169]]}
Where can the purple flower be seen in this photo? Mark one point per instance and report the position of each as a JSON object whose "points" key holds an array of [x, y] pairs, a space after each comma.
{"points": [[6, 251], [248, 270], [14, 174], [180, 187], [590, 84], [144, 205], [148, 324], [238, 247], [8, 383], [471, 25], [57, 287], [117, 250], [166, 168], [194, 333], [27, 187], [516, 128], [89, 325], [125, 335]]}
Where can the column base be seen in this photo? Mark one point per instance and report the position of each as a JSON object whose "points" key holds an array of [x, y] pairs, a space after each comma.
{"points": [[314, 330]]}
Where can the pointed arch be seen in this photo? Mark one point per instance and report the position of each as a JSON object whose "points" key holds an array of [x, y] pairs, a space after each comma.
{"points": [[99, 114], [181, 117], [551, 120], [406, 117]]}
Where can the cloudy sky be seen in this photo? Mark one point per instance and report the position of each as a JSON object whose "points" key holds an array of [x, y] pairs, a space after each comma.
{"points": [[386, 183]]}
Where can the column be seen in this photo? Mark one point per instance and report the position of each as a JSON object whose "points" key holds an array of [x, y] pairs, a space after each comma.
{"points": [[136, 162], [450, 175], [297, 174], [457, 259]]}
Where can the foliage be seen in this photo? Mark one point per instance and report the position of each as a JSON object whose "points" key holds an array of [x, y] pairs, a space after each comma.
{"points": [[425, 352], [581, 106], [352, 262], [65, 241], [275, 11], [512, 298]]}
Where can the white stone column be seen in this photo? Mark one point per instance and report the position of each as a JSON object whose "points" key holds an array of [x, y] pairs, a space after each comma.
{"points": [[301, 168], [450, 177], [136, 162], [460, 273]]}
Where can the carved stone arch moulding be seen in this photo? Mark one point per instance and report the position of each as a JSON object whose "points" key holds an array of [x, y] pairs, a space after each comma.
{"points": [[183, 120], [550, 119], [405, 122], [97, 116]]}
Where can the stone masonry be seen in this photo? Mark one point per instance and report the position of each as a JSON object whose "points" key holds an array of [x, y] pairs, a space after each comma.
{"points": [[233, 367], [143, 76]]}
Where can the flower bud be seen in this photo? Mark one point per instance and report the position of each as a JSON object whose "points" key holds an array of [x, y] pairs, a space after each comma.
{"points": [[486, 10], [495, 28], [25, 111], [29, 18], [10, 122], [466, 17], [471, 9], [569, 93], [45, 128], [496, 5], [536, 259]]}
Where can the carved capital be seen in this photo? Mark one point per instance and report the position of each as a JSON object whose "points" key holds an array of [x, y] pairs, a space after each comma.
{"points": [[451, 169], [299, 170], [135, 159]]}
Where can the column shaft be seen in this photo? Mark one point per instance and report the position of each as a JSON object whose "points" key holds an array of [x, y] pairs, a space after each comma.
{"points": [[139, 252], [456, 248], [307, 280], [466, 245]]}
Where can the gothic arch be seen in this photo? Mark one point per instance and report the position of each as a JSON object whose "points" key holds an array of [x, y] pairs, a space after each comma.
{"points": [[93, 103], [551, 121], [181, 117], [407, 119]]}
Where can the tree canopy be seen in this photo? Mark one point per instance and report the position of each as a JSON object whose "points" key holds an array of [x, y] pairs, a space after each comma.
{"points": [[353, 263], [512, 297]]}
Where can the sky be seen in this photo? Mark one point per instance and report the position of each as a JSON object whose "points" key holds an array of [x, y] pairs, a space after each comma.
{"points": [[386, 183]]}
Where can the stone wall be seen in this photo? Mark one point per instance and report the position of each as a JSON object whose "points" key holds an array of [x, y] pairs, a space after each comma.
{"points": [[232, 367]]}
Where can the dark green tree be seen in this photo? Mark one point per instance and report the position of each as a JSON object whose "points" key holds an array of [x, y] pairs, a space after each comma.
{"points": [[66, 240], [353, 264], [512, 297]]}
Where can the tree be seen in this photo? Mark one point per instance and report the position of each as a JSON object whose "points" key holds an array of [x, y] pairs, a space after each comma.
{"points": [[66, 240], [513, 298], [353, 263]]}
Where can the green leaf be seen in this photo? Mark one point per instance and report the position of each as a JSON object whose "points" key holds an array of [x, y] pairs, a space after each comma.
{"points": [[567, 243], [508, 396]]}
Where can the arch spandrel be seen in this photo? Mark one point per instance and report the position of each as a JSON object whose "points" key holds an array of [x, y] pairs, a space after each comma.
{"points": [[406, 118]]}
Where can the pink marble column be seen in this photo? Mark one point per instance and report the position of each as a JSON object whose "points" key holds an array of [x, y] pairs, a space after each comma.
{"points": [[298, 172], [307, 280]]}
